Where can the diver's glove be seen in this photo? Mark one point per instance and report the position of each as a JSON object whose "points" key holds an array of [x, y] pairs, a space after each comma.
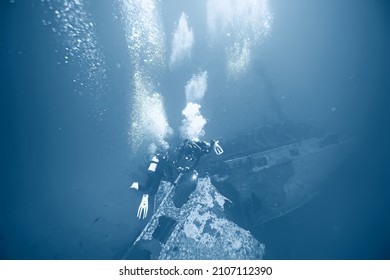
{"points": [[135, 186], [217, 148], [143, 207]]}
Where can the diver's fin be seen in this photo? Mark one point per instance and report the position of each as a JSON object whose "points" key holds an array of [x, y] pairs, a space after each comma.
{"points": [[217, 148]]}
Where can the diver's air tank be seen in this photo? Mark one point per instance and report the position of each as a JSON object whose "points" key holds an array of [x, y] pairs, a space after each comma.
{"points": [[153, 164]]}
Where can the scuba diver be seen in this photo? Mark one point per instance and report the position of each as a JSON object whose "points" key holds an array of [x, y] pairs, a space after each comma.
{"points": [[160, 167]]}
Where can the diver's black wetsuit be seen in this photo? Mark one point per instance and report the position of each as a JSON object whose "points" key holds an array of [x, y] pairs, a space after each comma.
{"points": [[159, 167]]}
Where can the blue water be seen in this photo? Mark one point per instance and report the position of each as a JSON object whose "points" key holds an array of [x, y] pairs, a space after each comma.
{"points": [[89, 87]]}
